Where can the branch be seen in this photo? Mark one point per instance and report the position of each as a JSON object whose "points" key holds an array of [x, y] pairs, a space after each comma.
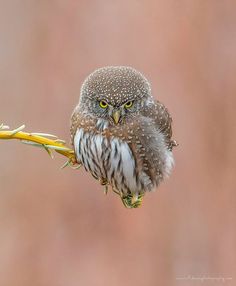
{"points": [[47, 141]]}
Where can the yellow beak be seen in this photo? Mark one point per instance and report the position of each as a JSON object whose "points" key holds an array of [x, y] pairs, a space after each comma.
{"points": [[116, 116]]}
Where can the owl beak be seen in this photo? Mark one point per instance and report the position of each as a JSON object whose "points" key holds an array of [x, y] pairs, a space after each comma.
{"points": [[116, 116]]}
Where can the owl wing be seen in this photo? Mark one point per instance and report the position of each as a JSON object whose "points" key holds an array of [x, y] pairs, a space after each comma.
{"points": [[73, 126], [162, 120]]}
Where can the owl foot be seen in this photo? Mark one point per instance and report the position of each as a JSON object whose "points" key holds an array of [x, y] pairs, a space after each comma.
{"points": [[131, 201], [72, 164], [103, 181], [106, 189]]}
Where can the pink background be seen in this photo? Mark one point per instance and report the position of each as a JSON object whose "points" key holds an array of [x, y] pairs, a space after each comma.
{"points": [[56, 226]]}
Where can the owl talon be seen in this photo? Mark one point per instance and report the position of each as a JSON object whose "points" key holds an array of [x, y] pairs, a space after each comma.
{"points": [[103, 181], [106, 190], [132, 201]]}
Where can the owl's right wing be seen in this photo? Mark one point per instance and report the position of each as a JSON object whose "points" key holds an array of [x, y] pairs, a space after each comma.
{"points": [[73, 125]]}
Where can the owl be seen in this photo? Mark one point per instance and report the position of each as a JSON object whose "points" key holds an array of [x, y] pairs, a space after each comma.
{"points": [[120, 134]]}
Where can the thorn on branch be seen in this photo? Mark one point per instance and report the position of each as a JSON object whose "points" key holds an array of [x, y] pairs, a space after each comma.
{"points": [[15, 131]]}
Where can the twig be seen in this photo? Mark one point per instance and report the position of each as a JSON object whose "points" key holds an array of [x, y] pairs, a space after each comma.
{"points": [[47, 141]]}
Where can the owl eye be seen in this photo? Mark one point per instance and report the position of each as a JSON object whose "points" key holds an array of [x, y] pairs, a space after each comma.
{"points": [[128, 104], [103, 104]]}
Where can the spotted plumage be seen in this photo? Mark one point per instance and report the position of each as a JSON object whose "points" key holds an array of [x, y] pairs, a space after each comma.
{"points": [[121, 134]]}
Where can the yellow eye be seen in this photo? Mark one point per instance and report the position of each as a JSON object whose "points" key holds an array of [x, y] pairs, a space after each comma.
{"points": [[128, 104], [103, 104]]}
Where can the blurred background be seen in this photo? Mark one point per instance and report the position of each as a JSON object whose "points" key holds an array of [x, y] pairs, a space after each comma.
{"points": [[56, 226]]}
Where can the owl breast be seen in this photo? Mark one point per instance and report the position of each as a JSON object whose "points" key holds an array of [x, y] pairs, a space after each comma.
{"points": [[109, 159]]}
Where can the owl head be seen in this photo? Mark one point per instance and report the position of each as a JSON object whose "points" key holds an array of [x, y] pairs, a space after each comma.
{"points": [[114, 94]]}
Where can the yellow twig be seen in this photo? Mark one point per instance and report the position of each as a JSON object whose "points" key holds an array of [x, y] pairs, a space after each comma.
{"points": [[39, 140]]}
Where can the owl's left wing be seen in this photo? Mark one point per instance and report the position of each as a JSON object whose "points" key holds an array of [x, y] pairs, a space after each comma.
{"points": [[162, 120]]}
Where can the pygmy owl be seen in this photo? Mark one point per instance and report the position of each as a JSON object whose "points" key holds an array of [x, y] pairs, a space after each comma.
{"points": [[121, 134]]}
